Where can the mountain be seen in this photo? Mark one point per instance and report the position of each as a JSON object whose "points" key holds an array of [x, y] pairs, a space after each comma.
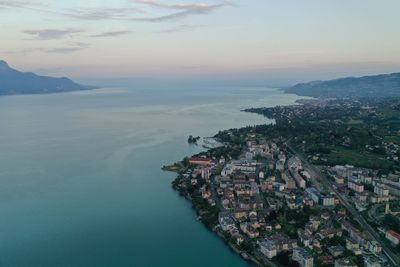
{"points": [[13, 82], [384, 85]]}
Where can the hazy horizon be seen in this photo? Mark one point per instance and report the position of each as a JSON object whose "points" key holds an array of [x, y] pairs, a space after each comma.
{"points": [[273, 43]]}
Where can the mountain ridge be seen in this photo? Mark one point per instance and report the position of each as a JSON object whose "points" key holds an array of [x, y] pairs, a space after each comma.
{"points": [[381, 85], [14, 82]]}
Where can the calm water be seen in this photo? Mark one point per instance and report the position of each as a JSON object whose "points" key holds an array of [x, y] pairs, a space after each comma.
{"points": [[80, 178]]}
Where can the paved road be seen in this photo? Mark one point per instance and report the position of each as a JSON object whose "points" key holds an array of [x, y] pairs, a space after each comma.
{"points": [[321, 178]]}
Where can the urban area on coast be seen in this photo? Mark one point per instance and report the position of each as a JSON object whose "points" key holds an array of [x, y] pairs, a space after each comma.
{"points": [[319, 187]]}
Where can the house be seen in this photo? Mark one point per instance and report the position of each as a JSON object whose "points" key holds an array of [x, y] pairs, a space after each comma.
{"points": [[372, 262], [329, 233], [339, 180], [304, 237], [325, 260], [249, 230], [240, 214], [393, 237], [352, 245], [268, 248], [381, 190], [344, 262], [303, 257], [313, 194], [374, 247], [226, 222], [355, 185], [354, 233], [276, 243], [290, 184], [336, 251], [200, 161], [327, 201]]}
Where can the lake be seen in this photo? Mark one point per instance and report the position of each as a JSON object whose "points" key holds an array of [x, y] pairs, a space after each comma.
{"points": [[80, 177]]}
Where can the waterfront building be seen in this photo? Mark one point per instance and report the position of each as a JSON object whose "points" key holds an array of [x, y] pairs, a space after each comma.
{"points": [[200, 161], [303, 257], [268, 248]]}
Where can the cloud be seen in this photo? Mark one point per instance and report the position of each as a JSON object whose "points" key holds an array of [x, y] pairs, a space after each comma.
{"points": [[184, 10], [110, 34], [48, 34], [73, 47], [181, 28], [126, 13], [16, 3], [192, 7], [109, 13], [68, 48], [63, 50]]}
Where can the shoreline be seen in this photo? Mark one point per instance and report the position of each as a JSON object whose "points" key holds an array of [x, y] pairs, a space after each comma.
{"points": [[265, 184], [242, 254]]}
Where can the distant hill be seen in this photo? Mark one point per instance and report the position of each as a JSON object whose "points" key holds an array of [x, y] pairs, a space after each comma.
{"points": [[385, 85], [13, 82]]}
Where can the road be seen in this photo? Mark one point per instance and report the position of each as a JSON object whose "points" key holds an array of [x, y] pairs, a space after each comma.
{"points": [[326, 182]]}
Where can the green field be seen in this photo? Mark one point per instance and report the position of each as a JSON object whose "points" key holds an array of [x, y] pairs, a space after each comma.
{"points": [[340, 155]]}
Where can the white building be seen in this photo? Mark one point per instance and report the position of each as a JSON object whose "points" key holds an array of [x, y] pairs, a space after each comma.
{"points": [[381, 190], [303, 257], [268, 248], [393, 237]]}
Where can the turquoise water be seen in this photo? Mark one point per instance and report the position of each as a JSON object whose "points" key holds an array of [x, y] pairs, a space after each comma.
{"points": [[80, 178]]}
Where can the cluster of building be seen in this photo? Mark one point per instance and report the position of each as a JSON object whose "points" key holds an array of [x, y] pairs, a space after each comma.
{"points": [[266, 179], [369, 190]]}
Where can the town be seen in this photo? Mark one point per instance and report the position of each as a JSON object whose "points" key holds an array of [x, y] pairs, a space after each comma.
{"points": [[277, 206]]}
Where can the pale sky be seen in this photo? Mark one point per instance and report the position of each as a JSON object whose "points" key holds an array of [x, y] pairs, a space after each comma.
{"points": [[269, 40]]}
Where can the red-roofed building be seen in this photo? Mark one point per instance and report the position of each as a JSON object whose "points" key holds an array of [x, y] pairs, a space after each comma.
{"points": [[393, 237], [200, 161]]}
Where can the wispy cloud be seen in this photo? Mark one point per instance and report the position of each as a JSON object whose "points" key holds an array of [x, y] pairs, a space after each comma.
{"points": [[67, 48], [128, 12], [48, 34], [184, 10], [193, 7], [106, 13], [16, 3], [74, 47], [111, 34], [181, 28]]}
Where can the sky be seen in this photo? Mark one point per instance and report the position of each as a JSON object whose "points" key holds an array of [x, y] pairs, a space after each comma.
{"points": [[264, 41]]}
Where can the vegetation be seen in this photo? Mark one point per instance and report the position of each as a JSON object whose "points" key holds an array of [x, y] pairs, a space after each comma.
{"points": [[193, 140], [386, 85], [363, 132], [392, 222]]}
